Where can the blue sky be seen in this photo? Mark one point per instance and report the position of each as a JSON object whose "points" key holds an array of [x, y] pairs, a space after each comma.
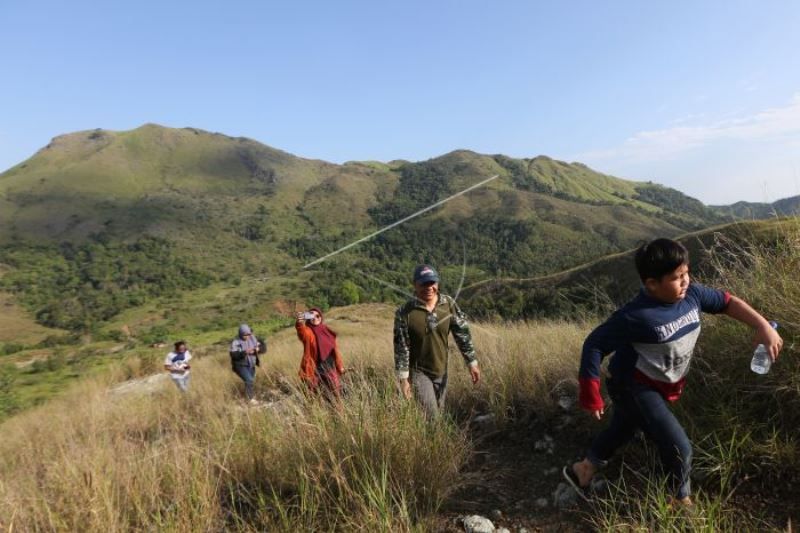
{"points": [[700, 96]]}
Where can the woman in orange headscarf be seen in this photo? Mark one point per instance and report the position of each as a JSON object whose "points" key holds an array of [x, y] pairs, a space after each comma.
{"points": [[321, 366]]}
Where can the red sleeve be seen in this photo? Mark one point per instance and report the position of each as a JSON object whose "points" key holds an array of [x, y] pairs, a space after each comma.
{"points": [[303, 332], [589, 394]]}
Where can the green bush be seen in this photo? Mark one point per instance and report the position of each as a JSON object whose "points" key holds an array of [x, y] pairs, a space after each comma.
{"points": [[77, 287], [8, 398], [11, 347], [58, 340]]}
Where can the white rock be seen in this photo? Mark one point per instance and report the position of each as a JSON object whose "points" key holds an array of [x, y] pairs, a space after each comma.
{"points": [[541, 503], [145, 385], [478, 524], [565, 496], [566, 394], [486, 423]]}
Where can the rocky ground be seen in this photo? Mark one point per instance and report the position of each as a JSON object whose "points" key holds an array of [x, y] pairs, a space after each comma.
{"points": [[514, 482], [514, 479]]}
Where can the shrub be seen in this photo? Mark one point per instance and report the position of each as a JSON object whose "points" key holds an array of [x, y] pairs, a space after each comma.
{"points": [[11, 347]]}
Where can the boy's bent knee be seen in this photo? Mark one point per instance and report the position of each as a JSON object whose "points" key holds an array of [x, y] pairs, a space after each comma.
{"points": [[684, 452]]}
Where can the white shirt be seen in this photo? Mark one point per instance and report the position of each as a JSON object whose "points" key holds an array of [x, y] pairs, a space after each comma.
{"points": [[177, 367]]}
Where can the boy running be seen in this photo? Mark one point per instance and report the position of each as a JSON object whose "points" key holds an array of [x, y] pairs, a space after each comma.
{"points": [[652, 338], [177, 364]]}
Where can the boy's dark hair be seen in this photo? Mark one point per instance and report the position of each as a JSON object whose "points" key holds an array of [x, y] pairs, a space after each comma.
{"points": [[179, 344], [659, 257]]}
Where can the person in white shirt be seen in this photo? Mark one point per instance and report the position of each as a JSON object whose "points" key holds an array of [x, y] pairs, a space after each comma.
{"points": [[177, 364]]}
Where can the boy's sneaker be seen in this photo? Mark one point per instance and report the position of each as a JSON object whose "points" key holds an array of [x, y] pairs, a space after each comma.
{"points": [[253, 401], [686, 507]]}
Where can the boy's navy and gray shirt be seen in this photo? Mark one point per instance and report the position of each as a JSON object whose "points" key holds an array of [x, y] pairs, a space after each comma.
{"points": [[652, 341]]}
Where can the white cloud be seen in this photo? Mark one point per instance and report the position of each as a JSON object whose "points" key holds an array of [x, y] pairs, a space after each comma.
{"points": [[777, 125]]}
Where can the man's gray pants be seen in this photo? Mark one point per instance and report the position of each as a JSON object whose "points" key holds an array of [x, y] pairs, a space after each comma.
{"points": [[429, 392]]}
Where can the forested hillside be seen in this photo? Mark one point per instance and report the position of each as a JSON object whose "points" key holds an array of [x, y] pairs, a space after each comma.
{"points": [[105, 221]]}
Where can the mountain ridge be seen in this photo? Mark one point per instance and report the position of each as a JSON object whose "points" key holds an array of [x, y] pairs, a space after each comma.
{"points": [[232, 208]]}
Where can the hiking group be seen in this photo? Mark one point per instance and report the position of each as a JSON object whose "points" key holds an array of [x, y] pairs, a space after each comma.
{"points": [[652, 338]]}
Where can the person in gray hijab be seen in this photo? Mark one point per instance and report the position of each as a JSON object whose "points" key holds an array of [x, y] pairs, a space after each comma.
{"points": [[244, 353]]}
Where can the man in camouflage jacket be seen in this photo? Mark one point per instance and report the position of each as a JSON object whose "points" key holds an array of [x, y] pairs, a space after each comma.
{"points": [[421, 329]]}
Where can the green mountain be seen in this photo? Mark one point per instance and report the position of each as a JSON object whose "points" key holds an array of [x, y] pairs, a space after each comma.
{"points": [[197, 189], [104, 221], [756, 210]]}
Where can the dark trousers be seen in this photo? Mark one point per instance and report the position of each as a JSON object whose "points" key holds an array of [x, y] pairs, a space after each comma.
{"points": [[248, 375], [637, 406]]}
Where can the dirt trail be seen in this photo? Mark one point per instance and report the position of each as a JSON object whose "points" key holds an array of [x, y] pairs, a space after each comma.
{"points": [[513, 476], [516, 470]]}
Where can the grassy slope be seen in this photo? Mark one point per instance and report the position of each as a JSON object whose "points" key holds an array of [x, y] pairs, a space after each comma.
{"points": [[193, 183], [16, 325], [579, 181], [200, 189], [221, 307], [756, 210], [614, 276], [375, 436], [374, 464], [235, 207], [189, 186]]}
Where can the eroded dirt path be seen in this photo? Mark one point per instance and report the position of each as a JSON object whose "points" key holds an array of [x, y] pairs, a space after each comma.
{"points": [[514, 474]]}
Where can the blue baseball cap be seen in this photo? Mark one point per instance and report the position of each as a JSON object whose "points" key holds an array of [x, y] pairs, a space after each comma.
{"points": [[425, 274]]}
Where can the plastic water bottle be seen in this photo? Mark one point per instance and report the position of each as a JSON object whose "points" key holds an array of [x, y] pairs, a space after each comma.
{"points": [[762, 362]]}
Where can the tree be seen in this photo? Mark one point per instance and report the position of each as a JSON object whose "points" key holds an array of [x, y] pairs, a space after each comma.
{"points": [[8, 400], [348, 293]]}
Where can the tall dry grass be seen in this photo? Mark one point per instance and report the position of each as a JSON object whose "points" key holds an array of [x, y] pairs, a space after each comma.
{"points": [[523, 364], [745, 427], [100, 460], [731, 407]]}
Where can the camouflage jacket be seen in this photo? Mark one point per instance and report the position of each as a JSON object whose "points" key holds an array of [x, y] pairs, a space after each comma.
{"points": [[421, 337]]}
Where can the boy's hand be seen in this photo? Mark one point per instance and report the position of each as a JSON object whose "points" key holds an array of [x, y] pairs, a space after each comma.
{"points": [[771, 340], [598, 413], [765, 334]]}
